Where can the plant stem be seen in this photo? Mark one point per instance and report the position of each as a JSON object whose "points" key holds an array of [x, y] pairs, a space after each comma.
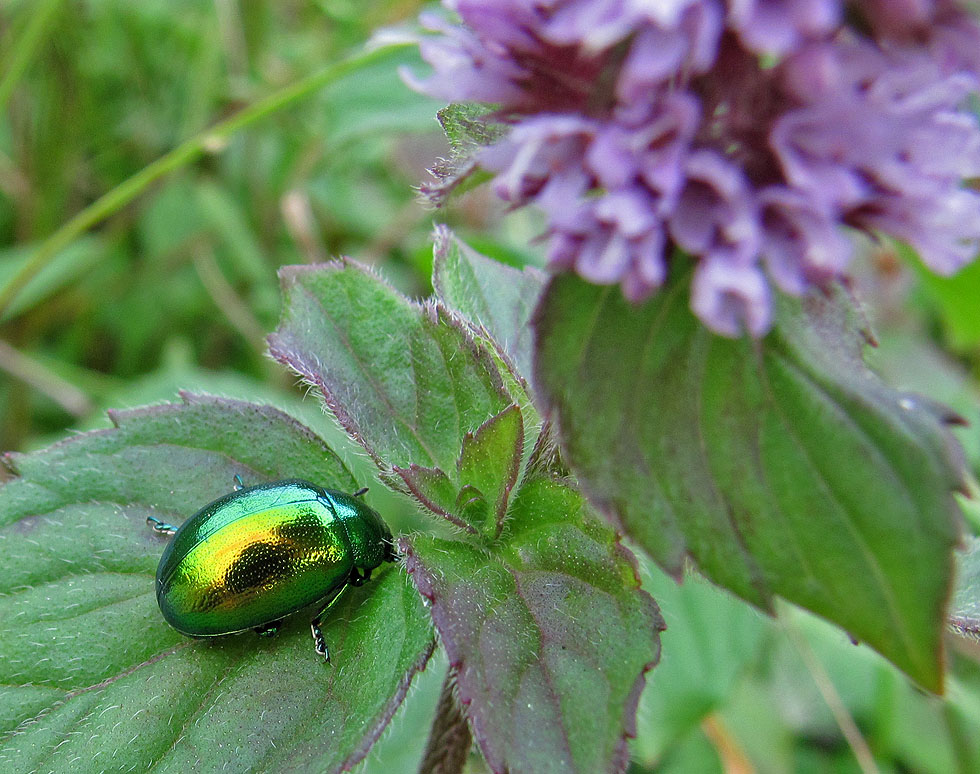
{"points": [[449, 738], [183, 154], [43, 380], [858, 744], [733, 757]]}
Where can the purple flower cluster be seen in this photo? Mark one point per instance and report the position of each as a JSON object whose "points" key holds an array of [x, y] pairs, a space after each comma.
{"points": [[745, 132]]}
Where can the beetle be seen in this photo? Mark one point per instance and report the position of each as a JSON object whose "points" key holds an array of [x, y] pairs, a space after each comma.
{"points": [[258, 554]]}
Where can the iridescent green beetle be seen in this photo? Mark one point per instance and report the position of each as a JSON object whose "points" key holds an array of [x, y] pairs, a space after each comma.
{"points": [[260, 553]]}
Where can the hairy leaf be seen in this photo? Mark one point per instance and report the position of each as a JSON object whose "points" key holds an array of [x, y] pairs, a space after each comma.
{"points": [[490, 294], [549, 631], [489, 464], [781, 466], [476, 498], [467, 128], [407, 381], [87, 664], [497, 300]]}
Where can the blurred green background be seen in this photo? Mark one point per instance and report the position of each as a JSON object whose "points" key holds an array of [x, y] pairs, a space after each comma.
{"points": [[178, 289]]}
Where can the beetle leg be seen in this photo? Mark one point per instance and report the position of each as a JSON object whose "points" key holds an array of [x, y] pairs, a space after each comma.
{"points": [[268, 630], [360, 492], [239, 484], [356, 579], [319, 643], [161, 526], [390, 555]]}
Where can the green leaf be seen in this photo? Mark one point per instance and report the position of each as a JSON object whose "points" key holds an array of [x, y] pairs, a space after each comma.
{"points": [[497, 301], [88, 664], [170, 219], [467, 126], [780, 466], [490, 294], [964, 612], [912, 364], [372, 99], [62, 272], [225, 217], [549, 630], [407, 381], [476, 498], [694, 753], [489, 464], [467, 129], [956, 297], [436, 491], [711, 638]]}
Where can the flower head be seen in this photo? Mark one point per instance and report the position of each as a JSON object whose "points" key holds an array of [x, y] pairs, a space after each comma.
{"points": [[745, 132]]}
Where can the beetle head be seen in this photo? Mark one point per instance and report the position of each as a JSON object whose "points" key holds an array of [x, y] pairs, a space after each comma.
{"points": [[371, 541]]}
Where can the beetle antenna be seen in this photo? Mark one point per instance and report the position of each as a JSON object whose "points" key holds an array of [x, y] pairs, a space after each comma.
{"points": [[361, 492]]}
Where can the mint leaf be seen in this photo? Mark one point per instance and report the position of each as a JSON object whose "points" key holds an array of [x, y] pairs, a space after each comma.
{"points": [[497, 301], [476, 498], [404, 379], [549, 631], [407, 381], [88, 664], [489, 464], [467, 129], [781, 466], [490, 294]]}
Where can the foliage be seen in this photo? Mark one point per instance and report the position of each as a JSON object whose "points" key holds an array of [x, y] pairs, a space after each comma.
{"points": [[781, 467], [85, 503], [537, 604], [771, 466]]}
